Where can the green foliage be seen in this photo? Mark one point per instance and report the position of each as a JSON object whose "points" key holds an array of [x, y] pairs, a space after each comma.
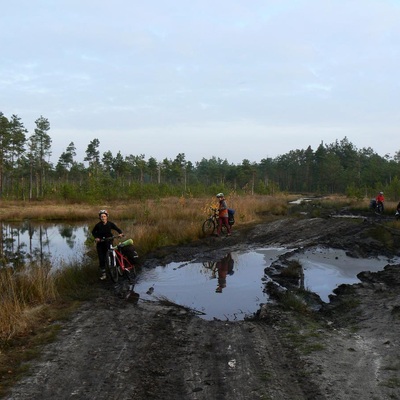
{"points": [[336, 168], [355, 192]]}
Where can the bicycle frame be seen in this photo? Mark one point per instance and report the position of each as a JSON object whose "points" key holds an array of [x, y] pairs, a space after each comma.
{"points": [[117, 263], [211, 223], [123, 261]]}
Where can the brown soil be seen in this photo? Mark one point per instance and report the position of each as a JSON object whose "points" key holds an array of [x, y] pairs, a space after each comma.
{"points": [[132, 349]]}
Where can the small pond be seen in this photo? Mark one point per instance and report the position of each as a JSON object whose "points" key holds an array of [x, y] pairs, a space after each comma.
{"points": [[58, 243]]}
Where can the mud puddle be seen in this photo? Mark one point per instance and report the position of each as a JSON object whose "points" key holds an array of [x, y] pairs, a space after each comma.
{"points": [[326, 268], [232, 288], [228, 289]]}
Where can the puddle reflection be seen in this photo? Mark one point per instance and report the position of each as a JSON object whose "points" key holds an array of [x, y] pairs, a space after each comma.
{"points": [[227, 289]]}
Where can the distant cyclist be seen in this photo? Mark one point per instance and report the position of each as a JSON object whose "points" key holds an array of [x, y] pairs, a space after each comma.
{"points": [[223, 214], [103, 229], [380, 200]]}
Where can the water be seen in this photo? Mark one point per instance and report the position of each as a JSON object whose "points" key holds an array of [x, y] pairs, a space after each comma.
{"points": [[327, 268], [196, 285], [215, 289], [201, 287], [58, 243]]}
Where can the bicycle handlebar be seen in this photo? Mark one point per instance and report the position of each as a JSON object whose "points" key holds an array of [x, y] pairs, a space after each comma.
{"points": [[111, 238]]}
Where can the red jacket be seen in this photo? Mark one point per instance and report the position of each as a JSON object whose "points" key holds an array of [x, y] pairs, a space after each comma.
{"points": [[380, 198]]}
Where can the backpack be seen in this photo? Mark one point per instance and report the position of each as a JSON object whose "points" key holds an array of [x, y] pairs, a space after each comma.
{"points": [[128, 250], [231, 218]]}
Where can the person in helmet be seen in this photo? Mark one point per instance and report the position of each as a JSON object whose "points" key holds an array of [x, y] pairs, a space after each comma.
{"points": [[380, 199], [103, 229], [222, 214]]}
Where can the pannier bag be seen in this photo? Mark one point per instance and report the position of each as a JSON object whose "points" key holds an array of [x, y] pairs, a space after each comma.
{"points": [[231, 218], [128, 250]]}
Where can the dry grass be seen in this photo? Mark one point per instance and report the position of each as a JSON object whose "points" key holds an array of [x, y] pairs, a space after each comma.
{"points": [[172, 221], [151, 223], [145, 211], [21, 293]]}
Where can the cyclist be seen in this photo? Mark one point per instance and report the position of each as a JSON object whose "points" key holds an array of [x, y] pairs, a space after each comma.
{"points": [[222, 214], [103, 229], [380, 199]]}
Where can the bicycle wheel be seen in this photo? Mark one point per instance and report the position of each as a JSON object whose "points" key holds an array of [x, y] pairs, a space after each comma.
{"points": [[111, 266], [208, 226], [130, 274], [130, 271]]}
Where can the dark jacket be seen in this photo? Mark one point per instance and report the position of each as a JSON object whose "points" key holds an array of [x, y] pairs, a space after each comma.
{"points": [[101, 230]]}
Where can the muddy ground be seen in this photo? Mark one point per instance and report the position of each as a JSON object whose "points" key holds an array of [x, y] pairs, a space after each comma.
{"points": [[132, 349]]}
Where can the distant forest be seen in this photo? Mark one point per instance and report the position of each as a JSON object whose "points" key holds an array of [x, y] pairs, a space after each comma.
{"points": [[27, 174]]}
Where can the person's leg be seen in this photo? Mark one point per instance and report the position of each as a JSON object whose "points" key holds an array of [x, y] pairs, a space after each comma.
{"points": [[101, 253], [220, 220], [226, 223]]}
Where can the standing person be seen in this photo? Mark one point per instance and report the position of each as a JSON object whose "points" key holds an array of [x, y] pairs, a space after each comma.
{"points": [[380, 199], [103, 229], [222, 214]]}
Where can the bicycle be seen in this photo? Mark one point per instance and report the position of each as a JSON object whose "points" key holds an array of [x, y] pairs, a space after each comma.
{"points": [[376, 206], [117, 263], [211, 223]]}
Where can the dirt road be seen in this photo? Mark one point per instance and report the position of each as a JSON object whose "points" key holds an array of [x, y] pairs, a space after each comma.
{"points": [[348, 349]]}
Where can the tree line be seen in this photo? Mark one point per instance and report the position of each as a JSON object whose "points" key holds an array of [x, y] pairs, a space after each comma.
{"points": [[26, 172]]}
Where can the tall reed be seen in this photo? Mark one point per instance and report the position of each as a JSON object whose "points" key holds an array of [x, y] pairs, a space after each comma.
{"points": [[20, 293]]}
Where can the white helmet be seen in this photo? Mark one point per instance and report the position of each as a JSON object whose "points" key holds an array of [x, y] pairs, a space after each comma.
{"points": [[220, 195], [103, 212]]}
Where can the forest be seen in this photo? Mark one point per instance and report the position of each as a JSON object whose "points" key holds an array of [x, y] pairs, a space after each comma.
{"points": [[26, 172]]}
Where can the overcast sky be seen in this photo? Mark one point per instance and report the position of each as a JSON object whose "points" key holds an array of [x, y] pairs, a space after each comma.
{"points": [[238, 79]]}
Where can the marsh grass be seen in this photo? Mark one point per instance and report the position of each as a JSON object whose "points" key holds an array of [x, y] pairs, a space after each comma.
{"points": [[21, 292], [170, 221], [294, 270], [294, 302]]}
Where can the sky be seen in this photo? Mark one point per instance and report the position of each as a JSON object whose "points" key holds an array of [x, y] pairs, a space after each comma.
{"points": [[236, 80]]}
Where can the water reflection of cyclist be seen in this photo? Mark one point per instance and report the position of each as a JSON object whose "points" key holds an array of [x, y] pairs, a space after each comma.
{"points": [[103, 229], [224, 268]]}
